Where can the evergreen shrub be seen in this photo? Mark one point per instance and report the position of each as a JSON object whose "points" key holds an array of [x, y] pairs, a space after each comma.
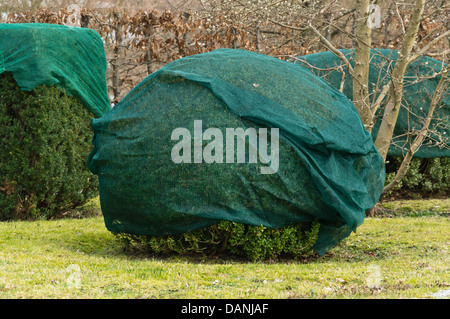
{"points": [[426, 177], [45, 138], [255, 243]]}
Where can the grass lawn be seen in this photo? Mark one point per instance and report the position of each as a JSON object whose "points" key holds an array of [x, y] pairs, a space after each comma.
{"points": [[405, 255]]}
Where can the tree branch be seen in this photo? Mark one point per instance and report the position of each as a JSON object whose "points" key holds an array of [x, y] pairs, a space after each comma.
{"points": [[392, 109], [380, 98], [428, 46], [287, 26], [338, 53]]}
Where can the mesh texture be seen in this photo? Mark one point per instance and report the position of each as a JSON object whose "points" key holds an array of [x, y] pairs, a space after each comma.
{"points": [[328, 168], [72, 58]]}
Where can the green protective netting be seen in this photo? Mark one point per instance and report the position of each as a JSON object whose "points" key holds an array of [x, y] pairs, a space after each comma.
{"points": [[328, 168], [70, 57], [419, 87]]}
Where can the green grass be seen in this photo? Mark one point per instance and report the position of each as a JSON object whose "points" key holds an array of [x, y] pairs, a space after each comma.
{"points": [[401, 257], [415, 207]]}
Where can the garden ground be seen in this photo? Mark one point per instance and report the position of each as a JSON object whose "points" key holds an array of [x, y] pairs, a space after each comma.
{"points": [[401, 252]]}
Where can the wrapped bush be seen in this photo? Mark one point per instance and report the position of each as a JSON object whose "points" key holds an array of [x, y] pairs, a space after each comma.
{"points": [[200, 141]]}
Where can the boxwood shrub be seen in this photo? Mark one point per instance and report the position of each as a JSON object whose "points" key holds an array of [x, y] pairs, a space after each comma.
{"points": [[45, 138], [250, 242], [426, 177]]}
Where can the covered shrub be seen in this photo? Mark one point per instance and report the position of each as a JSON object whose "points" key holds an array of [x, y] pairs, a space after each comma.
{"points": [[45, 138], [232, 135]]}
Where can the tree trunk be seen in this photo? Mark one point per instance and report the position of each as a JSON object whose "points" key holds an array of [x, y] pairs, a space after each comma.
{"points": [[392, 109], [149, 53], [362, 59], [117, 55]]}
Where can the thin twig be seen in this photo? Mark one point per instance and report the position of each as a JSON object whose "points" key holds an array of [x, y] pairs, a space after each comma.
{"points": [[428, 46], [338, 53], [380, 98]]}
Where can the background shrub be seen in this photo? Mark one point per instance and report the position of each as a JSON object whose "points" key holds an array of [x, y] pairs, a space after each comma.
{"points": [[426, 177], [236, 239], [45, 138]]}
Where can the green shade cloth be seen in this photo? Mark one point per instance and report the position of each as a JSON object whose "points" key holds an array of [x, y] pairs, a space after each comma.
{"points": [[328, 167], [70, 57], [419, 86]]}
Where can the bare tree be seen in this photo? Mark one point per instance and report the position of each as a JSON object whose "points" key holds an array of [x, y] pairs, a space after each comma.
{"points": [[395, 94]]}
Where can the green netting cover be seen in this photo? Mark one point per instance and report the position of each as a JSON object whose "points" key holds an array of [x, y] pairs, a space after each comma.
{"points": [[70, 57], [168, 155], [419, 86]]}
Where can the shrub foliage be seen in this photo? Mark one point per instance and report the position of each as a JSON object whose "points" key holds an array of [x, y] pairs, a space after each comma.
{"points": [[247, 241], [426, 177], [45, 138]]}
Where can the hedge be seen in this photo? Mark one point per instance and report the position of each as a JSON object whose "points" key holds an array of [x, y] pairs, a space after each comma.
{"points": [[45, 138], [426, 177], [250, 242]]}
